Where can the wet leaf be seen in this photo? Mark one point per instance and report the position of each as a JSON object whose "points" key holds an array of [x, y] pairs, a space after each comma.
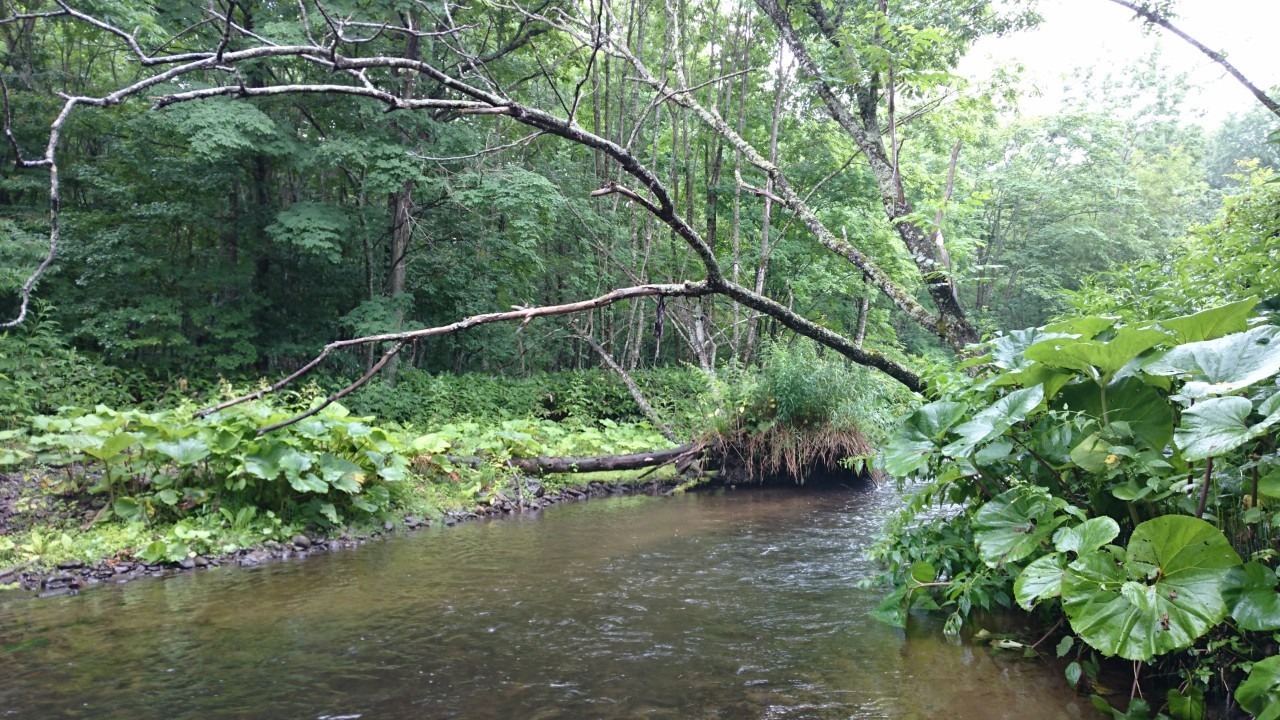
{"points": [[1250, 592], [1165, 595], [1014, 525], [1260, 692], [1224, 365], [1213, 427], [993, 421], [918, 438], [1039, 580]]}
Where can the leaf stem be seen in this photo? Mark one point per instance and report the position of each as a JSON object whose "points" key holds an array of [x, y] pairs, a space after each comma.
{"points": [[1204, 490]]}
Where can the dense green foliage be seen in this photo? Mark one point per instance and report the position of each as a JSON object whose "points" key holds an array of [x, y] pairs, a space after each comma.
{"points": [[1235, 256], [1115, 469], [1080, 461]]}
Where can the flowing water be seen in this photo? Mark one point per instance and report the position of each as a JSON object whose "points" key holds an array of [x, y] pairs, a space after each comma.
{"points": [[730, 604]]}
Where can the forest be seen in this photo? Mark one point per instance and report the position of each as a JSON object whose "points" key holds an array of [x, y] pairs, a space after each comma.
{"points": [[273, 272]]}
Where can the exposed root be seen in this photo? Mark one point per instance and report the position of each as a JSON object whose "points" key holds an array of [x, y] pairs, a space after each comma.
{"points": [[789, 453]]}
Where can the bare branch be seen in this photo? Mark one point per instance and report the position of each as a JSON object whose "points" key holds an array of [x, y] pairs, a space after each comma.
{"points": [[21, 17], [1153, 18], [607, 358], [523, 314], [486, 151], [393, 102], [373, 370]]}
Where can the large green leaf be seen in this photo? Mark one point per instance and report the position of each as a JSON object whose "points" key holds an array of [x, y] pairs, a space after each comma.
{"points": [[1086, 328], [1250, 592], [917, 439], [1087, 536], [1269, 484], [265, 465], [112, 446], [995, 420], [1212, 323], [1128, 400], [1007, 350], [1224, 365], [1188, 705], [1165, 595], [1015, 524], [1091, 454], [1039, 580], [1213, 427], [187, 451], [1043, 577], [307, 483], [1104, 356], [1260, 692]]}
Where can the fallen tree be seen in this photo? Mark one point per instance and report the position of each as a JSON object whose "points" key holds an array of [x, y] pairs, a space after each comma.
{"points": [[681, 456]]}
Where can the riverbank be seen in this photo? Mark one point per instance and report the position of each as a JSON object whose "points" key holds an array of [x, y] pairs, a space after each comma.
{"points": [[67, 570]]}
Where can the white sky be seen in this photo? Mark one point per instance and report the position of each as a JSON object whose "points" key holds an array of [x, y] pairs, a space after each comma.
{"points": [[1102, 35]]}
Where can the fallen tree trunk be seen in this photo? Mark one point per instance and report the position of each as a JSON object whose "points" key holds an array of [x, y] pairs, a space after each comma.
{"points": [[597, 463]]}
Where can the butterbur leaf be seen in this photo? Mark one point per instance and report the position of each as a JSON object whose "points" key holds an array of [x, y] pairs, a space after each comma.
{"points": [[1039, 580], [112, 446], [1103, 356], [1188, 705], [1091, 454], [308, 483], [1007, 350], [1269, 485], [1086, 328], [1250, 592], [1128, 400], [347, 484], [294, 463], [1087, 536], [1014, 525], [1260, 692], [917, 439], [1212, 323], [187, 451], [1213, 427], [129, 509], [1165, 595], [993, 421], [335, 469], [1222, 366]]}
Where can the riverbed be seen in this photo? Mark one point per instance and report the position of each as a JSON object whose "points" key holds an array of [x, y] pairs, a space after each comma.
{"points": [[718, 604]]}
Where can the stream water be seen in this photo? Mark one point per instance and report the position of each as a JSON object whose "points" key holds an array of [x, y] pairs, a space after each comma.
{"points": [[730, 604]]}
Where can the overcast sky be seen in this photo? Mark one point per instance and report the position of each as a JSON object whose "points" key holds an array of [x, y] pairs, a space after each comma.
{"points": [[1102, 35]]}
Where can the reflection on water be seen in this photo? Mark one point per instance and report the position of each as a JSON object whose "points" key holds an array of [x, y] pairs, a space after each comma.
{"points": [[732, 605]]}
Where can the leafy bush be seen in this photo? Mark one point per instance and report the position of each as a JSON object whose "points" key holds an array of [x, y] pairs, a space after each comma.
{"points": [[1123, 475], [424, 399], [167, 465], [1236, 256], [39, 373], [798, 388]]}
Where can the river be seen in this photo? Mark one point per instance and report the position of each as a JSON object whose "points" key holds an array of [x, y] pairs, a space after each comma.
{"points": [[720, 604]]}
